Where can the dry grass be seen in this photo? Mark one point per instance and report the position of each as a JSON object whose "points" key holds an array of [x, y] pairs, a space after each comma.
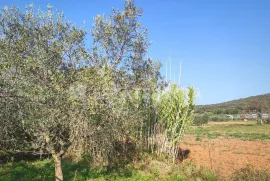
{"points": [[250, 174]]}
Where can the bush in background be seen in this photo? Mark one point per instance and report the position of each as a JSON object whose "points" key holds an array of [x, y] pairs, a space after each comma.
{"points": [[267, 121], [201, 119]]}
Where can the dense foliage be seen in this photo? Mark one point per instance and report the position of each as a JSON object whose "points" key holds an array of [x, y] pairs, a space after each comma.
{"points": [[57, 97], [202, 119]]}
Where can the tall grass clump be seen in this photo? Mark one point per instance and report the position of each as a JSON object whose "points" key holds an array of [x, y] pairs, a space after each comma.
{"points": [[175, 114]]}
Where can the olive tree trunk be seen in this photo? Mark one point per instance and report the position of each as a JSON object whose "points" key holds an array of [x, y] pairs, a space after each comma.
{"points": [[58, 168]]}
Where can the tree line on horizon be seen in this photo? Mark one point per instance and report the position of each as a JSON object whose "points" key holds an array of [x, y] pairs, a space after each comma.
{"points": [[253, 104]]}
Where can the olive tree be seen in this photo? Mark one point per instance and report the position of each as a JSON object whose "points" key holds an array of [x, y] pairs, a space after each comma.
{"points": [[121, 45], [39, 56]]}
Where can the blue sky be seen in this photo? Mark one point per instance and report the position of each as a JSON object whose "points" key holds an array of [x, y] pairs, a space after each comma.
{"points": [[223, 45]]}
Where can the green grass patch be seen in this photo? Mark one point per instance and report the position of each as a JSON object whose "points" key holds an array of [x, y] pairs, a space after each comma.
{"points": [[198, 138], [213, 135], [250, 136], [246, 131], [44, 171], [147, 169]]}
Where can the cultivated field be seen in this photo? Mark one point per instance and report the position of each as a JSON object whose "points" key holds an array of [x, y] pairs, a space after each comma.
{"points": [[229, 146]]}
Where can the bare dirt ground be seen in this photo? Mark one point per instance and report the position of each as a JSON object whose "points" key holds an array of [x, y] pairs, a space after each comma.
{"points": [[226, 155]]}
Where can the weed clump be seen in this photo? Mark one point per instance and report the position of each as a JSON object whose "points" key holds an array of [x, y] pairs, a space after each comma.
{"points": [[191, 171], [250, 174]]}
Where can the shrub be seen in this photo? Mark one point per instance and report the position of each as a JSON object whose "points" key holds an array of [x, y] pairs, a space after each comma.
{"points": [[250, 174], [267, 121], [191, 171], [201, 119], [215, 119]]}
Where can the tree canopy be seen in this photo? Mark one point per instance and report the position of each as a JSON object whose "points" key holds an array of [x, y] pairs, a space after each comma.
{"points": [[57, 97]]}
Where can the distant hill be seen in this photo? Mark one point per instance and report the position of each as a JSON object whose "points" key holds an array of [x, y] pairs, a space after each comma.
{"points": [[249, 104]]}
